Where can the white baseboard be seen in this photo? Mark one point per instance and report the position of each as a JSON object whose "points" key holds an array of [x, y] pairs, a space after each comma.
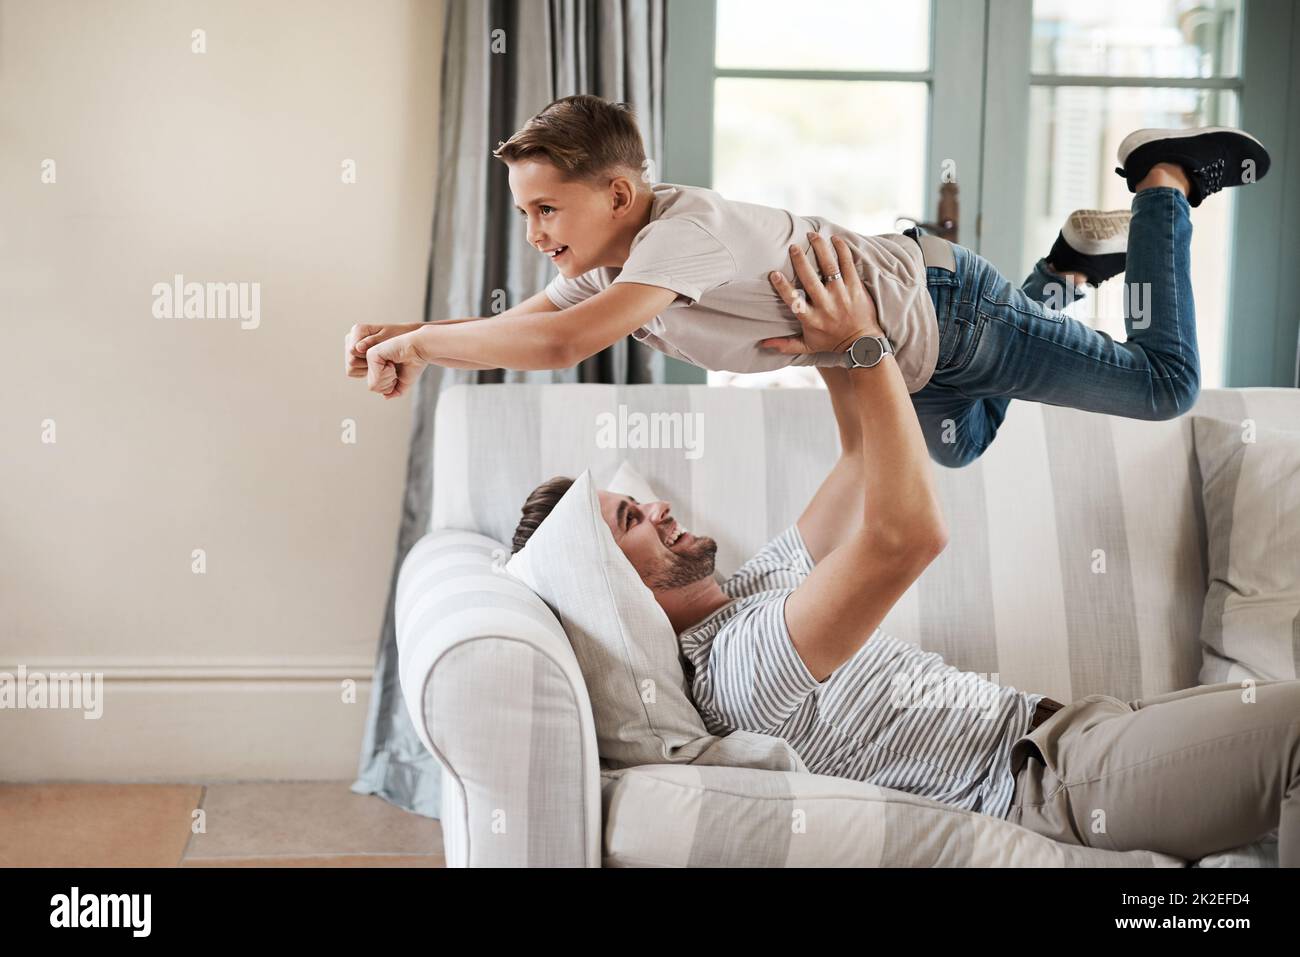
{"points": [[192, 720]]}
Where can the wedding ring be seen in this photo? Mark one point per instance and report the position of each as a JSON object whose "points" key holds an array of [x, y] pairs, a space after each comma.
{"points": [[832, 277]]}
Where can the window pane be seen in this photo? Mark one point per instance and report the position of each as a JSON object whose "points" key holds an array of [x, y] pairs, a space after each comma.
{"points": [[804, 146], [774, 145], [824, 34], [1153, 38], [1074, 133]]}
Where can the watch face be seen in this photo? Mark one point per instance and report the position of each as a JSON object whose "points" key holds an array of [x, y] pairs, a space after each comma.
{"points": [[867, 352]]}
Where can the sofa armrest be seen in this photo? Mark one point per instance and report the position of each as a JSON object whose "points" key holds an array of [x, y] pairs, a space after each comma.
{"points": [[495, 693]]}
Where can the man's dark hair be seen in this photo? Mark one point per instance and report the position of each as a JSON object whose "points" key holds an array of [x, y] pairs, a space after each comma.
{"points": [[537, 506]]}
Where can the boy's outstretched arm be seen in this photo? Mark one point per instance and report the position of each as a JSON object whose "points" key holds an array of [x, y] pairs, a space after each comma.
{"points": [[544, 340], [549, 340], [363, 335]]}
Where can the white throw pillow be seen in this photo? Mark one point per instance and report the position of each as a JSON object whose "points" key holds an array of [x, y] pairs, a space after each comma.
{"points": [[1250, 627], [628, 481], [623, 640]]}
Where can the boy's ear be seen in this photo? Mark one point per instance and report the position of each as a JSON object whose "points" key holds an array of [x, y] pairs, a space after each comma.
{"points": [[624, 190]]}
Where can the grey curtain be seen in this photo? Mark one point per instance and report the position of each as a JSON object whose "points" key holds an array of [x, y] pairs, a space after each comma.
{"points": [[503, 60]]}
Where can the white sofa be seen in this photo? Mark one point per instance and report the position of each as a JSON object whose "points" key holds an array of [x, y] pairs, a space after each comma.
{"points": [[1076, 565]]}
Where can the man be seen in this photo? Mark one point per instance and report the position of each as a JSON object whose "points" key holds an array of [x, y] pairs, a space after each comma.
{"points": [[790, 646]]}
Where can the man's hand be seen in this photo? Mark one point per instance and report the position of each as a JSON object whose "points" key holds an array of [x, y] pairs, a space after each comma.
{"points": [[840, 310]]}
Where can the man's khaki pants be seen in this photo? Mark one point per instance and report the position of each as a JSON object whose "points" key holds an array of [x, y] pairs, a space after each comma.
{"points": [[1187, 773]]}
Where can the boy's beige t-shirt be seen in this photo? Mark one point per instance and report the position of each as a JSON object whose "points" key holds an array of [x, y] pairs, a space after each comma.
{"points": [[715, 253]]}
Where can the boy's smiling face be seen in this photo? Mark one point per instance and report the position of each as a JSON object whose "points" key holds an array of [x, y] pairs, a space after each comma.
{"points": [[581, 220]]}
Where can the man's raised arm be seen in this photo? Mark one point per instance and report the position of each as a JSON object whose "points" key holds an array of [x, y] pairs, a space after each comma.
{"points": [[830, 517], [897, 526]]}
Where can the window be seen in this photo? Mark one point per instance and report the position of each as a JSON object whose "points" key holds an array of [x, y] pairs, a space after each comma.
{"points": [[824, 113], [1027, 101]]}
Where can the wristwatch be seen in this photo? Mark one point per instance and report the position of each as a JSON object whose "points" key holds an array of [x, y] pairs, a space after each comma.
{"points": [[867, 351]]}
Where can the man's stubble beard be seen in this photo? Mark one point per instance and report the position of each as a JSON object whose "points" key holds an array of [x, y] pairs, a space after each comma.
{"points": [[686, 568]]}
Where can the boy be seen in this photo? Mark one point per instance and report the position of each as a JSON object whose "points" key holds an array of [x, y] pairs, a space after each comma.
{"points": [[691, 274]]}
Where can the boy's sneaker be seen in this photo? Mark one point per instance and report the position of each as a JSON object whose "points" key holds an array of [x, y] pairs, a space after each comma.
{"points": [[1214, 157], [1093, 242]]}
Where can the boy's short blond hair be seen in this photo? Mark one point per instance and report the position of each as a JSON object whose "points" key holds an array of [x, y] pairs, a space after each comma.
{"points": [[584, 137]]}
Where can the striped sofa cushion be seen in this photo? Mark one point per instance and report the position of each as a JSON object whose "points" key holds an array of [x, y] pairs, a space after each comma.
{"points": [[1076, 563], [1251, 485], [692, 816]]}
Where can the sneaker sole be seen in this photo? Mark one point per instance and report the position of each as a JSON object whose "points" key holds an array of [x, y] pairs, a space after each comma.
{"points": [[1142, 137], [1096, 232], [1213, 157]]}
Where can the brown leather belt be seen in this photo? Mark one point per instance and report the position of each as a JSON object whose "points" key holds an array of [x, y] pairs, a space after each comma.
{"points": [[1046, 708]]}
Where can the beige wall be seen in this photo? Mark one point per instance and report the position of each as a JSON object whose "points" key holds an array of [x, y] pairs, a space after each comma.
{"points": [[174, 435]]}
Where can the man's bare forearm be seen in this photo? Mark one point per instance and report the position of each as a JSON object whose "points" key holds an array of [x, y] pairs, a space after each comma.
{"points": [[901, 502], [844, 404]]}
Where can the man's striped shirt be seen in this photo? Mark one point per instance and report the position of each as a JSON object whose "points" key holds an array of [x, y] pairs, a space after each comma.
{"points": [[892, 715]]}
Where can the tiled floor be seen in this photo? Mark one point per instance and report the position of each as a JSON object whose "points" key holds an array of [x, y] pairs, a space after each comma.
{"points": [[262, 824]]}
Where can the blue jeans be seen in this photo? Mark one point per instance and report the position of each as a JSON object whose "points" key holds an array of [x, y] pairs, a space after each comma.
{"points": [[998, 343]]}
